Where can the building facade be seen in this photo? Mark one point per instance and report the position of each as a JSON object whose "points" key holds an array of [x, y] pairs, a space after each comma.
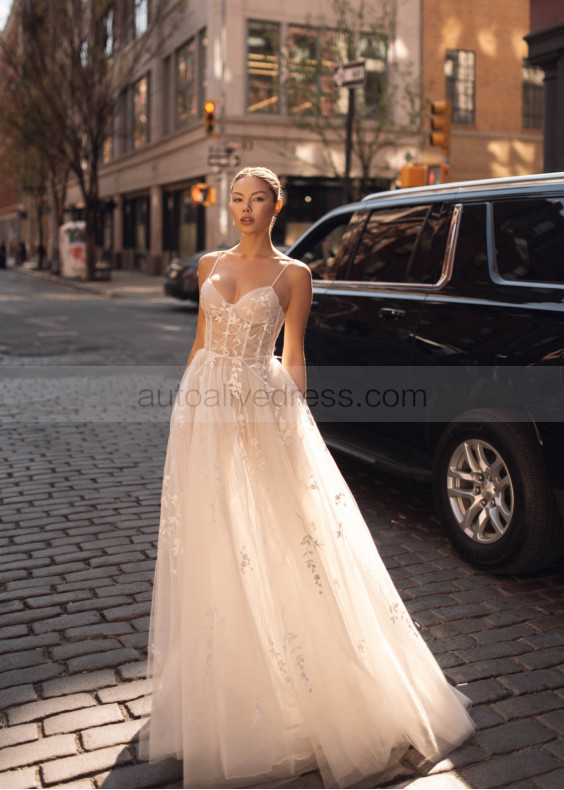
{"points": [[546, 51], [475, 55], [159, 148]]}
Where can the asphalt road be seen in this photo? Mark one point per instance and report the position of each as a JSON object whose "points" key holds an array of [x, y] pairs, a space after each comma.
{"points": [[79, 518]]}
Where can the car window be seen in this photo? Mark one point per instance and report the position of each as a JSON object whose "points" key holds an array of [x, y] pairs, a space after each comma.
{"points": [[471, 257], [529, 240], [327, 251], [427, 261], [398, 243]]}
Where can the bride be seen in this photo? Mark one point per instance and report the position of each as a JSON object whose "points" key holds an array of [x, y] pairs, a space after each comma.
{"points": [[278, 642]]}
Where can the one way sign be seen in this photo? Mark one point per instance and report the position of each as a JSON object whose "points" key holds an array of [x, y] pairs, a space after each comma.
{"points": [[350, 75]]}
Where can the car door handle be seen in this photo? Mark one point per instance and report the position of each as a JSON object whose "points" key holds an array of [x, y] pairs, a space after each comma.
{"points": [[391, 313]]}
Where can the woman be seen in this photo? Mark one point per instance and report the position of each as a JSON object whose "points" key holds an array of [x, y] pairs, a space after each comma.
{"points": [[278, 642]]}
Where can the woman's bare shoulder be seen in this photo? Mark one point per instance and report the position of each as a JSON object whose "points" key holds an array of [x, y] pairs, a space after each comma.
{"points": [[206, 262], [298, 271]]}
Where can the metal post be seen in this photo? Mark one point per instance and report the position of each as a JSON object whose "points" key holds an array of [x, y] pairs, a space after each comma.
{"points": [[348, 147], [223, 187]]}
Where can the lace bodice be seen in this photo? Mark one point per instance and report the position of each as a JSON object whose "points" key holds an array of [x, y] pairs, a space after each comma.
{"points": [[246, 328]]}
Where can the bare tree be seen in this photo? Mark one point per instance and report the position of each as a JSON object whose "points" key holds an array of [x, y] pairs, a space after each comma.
{"points": [[75, 59], [387, 110]]}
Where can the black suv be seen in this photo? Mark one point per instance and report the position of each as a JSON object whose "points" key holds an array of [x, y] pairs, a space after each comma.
{"points": [[435, 346]]}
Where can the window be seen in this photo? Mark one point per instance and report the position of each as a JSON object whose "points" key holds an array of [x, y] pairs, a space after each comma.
{"points": [[460, 72], [370, 98], [141, 16], [202, 63], [263, 47], [313, 55], [186, 90], [403, 245], [166, 94], [529, 240], [533, 96], [140, 94], [471, 257], [328, 252], [136, 223]]}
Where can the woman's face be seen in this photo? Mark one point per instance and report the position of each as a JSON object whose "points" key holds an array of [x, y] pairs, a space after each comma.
{"points": [[253, 205]]}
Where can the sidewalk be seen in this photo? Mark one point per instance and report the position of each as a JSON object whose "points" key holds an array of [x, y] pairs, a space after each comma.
{"points": [[123, 284]]}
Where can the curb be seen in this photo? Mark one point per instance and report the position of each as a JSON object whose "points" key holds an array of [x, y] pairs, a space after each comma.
{"points": [[89, 286]]}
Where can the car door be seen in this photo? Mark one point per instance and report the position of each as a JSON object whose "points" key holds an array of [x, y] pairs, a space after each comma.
{"points": [[367, 324]]}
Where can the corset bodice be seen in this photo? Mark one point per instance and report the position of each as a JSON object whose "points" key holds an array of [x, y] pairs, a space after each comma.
{"points": [[246, 328]]}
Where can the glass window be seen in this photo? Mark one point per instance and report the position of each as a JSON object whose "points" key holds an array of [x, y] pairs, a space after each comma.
{"points": [[370, 98], [529, 240], [327, 251], [263, 48], [141, 18], [386, 252], [141, 112], [533, 96], [460, 73], [202, 65], [303, 59], [136, 219], [427, 262], [186, 91], [166, 94], [471, 256]]}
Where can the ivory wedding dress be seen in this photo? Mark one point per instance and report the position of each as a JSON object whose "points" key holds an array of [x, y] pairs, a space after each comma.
{"points": [[278, 642]]}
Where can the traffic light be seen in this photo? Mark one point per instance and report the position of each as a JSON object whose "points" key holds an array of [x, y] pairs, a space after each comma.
{"points": [[438, 174], [209, 117], [203, 194], [441, 112]]}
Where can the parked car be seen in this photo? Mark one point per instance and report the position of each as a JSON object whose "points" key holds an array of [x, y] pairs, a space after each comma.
{"points": [[449, 302], [181, 276]]}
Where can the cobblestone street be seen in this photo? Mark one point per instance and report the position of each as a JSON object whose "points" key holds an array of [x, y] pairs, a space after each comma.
{"points": [[79, 521]]}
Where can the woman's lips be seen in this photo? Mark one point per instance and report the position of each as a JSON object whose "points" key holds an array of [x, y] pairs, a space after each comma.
{"points": [[246, 220]]}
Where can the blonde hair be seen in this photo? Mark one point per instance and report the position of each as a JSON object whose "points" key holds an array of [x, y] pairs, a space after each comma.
{"points": [[265, 175]]}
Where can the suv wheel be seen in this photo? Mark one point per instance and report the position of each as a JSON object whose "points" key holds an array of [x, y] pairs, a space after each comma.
{"points": [[492, 494]]}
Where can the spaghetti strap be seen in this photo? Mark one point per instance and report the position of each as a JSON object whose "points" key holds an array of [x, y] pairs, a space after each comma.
{"points": [[215, 264], [280, 273]]}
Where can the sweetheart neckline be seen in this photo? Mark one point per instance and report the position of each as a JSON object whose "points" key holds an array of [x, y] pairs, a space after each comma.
{"points": [[234, 304]]}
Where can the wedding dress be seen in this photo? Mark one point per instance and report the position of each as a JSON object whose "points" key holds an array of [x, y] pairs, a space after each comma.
{"points": [[278, 642]]}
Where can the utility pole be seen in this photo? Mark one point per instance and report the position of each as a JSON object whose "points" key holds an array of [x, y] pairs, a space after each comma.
{"points": [[348, 146], [223, 186]]}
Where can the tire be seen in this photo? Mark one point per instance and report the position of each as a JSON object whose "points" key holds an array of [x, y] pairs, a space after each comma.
{"points": [[492, 494]]}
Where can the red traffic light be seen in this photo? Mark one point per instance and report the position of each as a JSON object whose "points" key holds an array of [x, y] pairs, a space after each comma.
{"points": [[203, 194]]}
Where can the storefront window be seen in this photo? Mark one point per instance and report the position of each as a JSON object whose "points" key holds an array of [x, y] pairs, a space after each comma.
{"points": [[263, 48]]}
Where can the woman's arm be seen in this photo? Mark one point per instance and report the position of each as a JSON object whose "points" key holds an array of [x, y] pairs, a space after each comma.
{"points": [[204, 267], [297, 311]]}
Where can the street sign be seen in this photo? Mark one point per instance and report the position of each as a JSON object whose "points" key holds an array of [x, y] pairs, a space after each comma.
{"points": [[223, 159], [350, 75]]}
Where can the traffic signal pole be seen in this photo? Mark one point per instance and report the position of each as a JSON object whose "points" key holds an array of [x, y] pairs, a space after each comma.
{"points": [[223, 185]]}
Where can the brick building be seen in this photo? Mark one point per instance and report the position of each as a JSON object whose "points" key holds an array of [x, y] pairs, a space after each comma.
{"points": [[475, 55]]}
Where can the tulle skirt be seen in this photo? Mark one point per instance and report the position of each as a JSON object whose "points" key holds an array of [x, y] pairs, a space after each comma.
{"points": [[278, 641]]}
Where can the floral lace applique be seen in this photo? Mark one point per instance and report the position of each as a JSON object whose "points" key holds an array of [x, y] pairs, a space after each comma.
{"points": [[398, 614], [296, 652], [245, 561]]}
